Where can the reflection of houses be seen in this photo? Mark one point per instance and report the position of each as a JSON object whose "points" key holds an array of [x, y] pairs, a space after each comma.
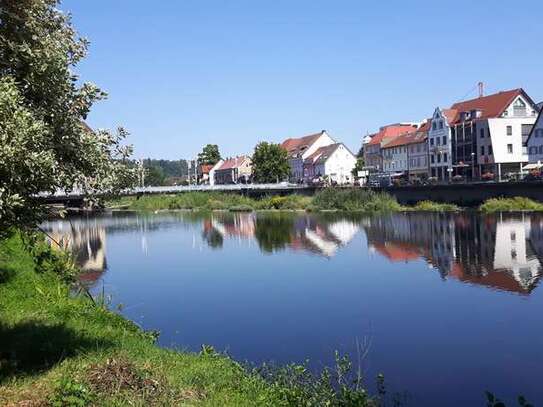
{"points": [[88, 248], [305, 233], [501, 253]]}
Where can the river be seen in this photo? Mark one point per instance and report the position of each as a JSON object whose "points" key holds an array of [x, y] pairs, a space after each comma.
{"points": [[446, 306]]}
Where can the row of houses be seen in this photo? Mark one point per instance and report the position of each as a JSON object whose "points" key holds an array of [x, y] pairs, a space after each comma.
{"points": [[311, 158], [490, 136]]}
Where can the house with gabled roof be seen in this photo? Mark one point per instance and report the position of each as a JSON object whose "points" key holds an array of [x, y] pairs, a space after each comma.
{"points": [[440, 143], [407, 154], [334, 162], [298, 149], [373, 157], [234, 170], [490, 134]]}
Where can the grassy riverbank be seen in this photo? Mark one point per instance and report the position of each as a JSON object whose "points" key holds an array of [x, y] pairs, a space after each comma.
{"points": [[330, 199], [61, 349]]}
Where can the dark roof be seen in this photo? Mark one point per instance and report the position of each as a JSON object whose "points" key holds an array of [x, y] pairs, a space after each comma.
{"points": [[294, 146], [322, 153]]}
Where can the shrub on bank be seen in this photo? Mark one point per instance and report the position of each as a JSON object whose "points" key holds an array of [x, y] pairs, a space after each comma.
{"points": [[511, 204], [354, 199]]}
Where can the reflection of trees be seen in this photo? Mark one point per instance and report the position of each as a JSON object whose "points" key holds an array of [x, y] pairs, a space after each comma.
{"points": [[213, 237], [274, 231]]}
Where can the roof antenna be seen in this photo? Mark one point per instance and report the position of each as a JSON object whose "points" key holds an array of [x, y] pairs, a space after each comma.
{"points": [[481, 86]]}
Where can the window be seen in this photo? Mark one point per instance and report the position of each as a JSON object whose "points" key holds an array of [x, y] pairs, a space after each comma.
{"points": [[540, 149], [433, 125], [441, 124], [510, 148], [439, 158], [444, 140], [432, 158], [509, 130], [489, 150], [482, 132], [445, 157], [539, 133], [519, 108], [438, 141], [482, 150], [431, 141], [533, 150]]}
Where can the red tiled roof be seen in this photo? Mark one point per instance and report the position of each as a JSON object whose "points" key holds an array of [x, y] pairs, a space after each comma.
{"points": [[293, 145], [232, 163], [205, 168], [417, 136], [490, 106], [398, 251], [449, 114], [389, 132]]}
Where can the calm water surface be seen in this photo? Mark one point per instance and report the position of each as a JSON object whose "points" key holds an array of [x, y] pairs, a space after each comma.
{"points": [[445, 305]]}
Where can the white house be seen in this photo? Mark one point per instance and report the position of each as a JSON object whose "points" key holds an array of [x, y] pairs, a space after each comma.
{"points": [[334, 161], [535, 141], [213, 170], [490, 133], [440, 143], [299, 149]]}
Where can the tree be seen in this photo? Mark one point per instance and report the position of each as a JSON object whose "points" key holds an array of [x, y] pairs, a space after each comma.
{"points": [[210, 155], [270, 163], [359, 166], [45, 146], [154, 176]]}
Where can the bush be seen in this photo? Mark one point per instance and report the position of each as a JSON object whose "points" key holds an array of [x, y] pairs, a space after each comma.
{"points": [[510, 204], [354, 200]]}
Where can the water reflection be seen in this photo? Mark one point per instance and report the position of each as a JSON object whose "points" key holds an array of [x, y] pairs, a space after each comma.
{"points": [[503, 251]]}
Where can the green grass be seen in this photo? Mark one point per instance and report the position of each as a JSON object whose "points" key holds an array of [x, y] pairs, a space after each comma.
{"points": [[61, 349], [329, 199], [510, 204], [430, 206]]}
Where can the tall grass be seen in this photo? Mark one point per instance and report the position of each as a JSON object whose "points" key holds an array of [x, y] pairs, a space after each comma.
{"points": [[361, 200]]}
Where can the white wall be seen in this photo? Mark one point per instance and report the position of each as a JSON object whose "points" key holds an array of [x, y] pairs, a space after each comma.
{"points": [[340, 164], [297, 164], [500, 140], [436, 135]]}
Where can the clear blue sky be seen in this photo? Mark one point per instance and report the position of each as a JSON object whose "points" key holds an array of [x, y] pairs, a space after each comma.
{"points": [[183, 73]]}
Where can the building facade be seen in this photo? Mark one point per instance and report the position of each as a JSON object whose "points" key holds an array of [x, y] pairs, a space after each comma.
{"points": [[373, 154], [535, 141], [334, 162], [440, 143], [407, 154], [299, 149], [234, 171], [490, 134]]}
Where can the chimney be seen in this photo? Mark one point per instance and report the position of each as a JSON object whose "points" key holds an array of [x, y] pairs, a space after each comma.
{"points": [[481, 86]]}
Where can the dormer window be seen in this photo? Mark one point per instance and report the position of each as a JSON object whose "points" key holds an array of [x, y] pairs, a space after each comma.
{"points": [[519, 108]]}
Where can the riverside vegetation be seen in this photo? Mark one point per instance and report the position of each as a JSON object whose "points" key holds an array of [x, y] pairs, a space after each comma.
{"points": [[329, 199]]}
